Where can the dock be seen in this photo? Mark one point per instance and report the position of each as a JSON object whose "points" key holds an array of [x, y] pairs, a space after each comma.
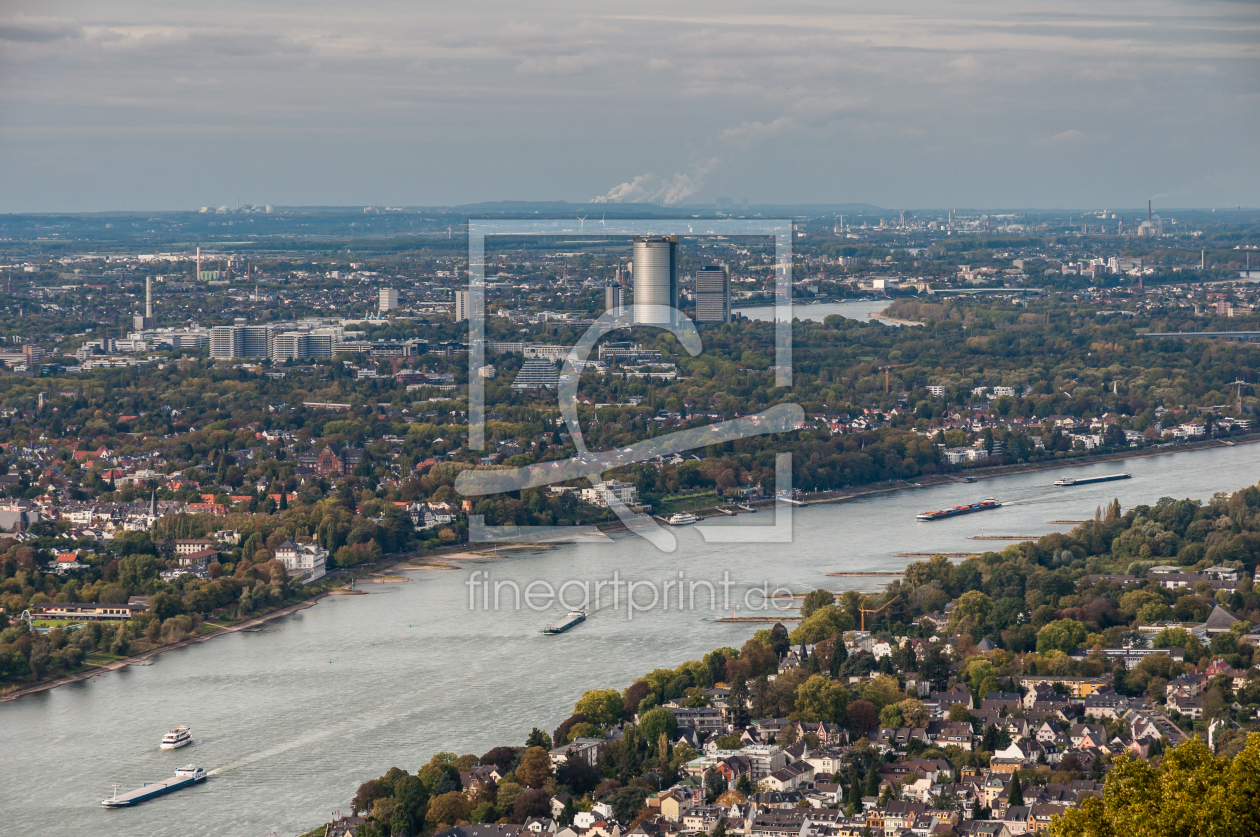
{"points": [[765, 619]]}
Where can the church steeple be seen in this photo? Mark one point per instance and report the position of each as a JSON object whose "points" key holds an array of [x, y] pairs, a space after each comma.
{"points": [[153, 503]]}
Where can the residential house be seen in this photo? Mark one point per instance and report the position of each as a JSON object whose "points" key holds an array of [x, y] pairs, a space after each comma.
{"points": [[306, 559]]}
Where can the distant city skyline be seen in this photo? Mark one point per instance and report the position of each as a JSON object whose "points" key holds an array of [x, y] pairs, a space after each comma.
{"points": [[152, 107]]}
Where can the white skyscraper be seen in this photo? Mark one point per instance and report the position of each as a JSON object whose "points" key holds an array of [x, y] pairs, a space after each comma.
{"points": [[614, 299], [387, 300], [460, 310], [655, 279]]}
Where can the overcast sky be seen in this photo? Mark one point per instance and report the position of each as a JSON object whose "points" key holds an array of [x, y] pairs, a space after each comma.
{"points": [[140, 104]]}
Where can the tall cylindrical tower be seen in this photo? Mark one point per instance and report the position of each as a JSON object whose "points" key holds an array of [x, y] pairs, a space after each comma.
{"points": [[655, 279]]}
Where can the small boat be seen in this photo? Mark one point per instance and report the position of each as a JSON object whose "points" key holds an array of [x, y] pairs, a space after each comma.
{"points": [[184, 777], [682, 519], [176, 738], [575, 617]]}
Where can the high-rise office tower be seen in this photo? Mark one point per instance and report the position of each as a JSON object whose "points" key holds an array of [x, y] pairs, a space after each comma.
{"points": [[713, 294], [387, 300], [614, 299], [460, 310], [655, 279], [239, 341]]}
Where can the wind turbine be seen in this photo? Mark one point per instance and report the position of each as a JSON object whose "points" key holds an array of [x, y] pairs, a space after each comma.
{"points": [[581, 222], [601, 220]]}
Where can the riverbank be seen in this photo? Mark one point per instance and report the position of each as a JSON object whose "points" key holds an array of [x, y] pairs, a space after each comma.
{"points": [[122, 662], [451, 556], [970, 475]]}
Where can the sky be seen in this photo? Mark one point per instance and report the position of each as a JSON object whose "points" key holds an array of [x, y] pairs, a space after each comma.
{"points": [[173, 105]]}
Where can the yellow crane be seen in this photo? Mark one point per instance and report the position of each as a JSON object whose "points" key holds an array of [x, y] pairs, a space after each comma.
{"points": [[865, 611]]}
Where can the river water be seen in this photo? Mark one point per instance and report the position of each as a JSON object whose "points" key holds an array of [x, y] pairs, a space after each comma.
{"points": [[859, 309], [292, 718]]}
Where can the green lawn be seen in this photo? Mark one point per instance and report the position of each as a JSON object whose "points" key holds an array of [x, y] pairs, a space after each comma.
{"points": [[52, 624], [100, 658]]}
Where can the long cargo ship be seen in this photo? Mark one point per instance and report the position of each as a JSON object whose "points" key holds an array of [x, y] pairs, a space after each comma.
{"points": [[1088, 480], [575, 617], [984, 505], [183, 777]]}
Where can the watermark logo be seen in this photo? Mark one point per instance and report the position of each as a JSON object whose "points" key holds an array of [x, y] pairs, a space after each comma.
{"points": [[635, 596], [592, 465]]}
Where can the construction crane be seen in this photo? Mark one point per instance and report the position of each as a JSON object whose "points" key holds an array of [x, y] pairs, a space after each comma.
{"points": [[865, 611]]}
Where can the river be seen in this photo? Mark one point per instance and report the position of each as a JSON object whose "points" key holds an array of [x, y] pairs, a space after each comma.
{"points": [[858, 309], [291, 719]]}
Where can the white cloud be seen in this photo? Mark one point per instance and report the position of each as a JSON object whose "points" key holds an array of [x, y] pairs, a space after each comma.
{"points": [[754, 131]]}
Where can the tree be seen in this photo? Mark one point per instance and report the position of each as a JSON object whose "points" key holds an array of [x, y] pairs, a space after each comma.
{"points": [[1063, 635], [535, 768], [537, 738], [448, 809], [368, 793], [626, 803], [1017, 792], [409, 813], [655, 722], [569, 812], [578, 774], [872, 782], [780, 643], [121, 643], [600, 706], [816, 599], [504, 757], [824, 622], [890, 716], [883, 690], [819, 699], [635, 693], [913, 712], [532, 803], [862, 716], [972, 605], [737, 702], [1190, 792], [839, 653]]}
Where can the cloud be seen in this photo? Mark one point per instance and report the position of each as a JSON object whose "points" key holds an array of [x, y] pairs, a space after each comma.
{"points": [[648, 188], [1069, 136], [556, 65], [753, 131], [38, 30]]}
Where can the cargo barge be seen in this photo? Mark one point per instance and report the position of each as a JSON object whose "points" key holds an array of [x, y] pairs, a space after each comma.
{"points": [[1088, 480], [575, 617], [184, 777], [983, 505]]}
